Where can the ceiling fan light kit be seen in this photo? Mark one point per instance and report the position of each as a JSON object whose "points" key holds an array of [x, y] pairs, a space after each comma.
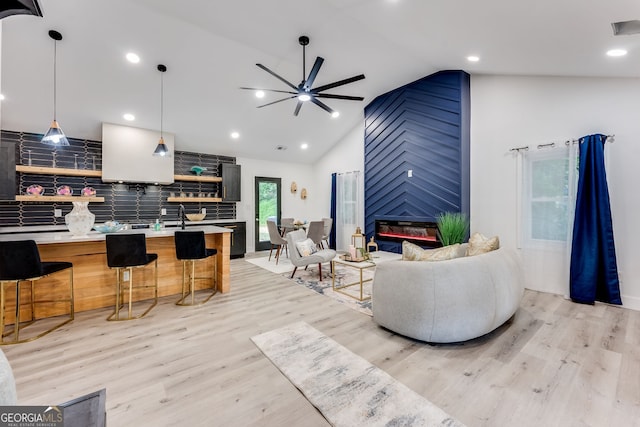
{"points": [[305, 92]]}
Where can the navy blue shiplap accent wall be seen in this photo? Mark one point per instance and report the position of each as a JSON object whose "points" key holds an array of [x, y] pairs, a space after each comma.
{"points": [[423, 127], [124, 203]]}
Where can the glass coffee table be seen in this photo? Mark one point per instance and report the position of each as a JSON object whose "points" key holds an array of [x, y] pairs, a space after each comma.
{"points": [[360, 266]]}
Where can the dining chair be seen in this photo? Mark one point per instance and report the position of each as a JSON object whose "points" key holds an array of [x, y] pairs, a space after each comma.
{"points": [[315, 232], [286, 225], [328, 225], [277, 241]]}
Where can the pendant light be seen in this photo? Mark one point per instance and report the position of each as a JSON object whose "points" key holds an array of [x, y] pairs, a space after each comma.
{"points": [[161, 149], [54, 135]]}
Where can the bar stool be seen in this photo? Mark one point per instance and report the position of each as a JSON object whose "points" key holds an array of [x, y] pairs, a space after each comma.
{"points": [[124, 253], [191, 247], [20, 262]]}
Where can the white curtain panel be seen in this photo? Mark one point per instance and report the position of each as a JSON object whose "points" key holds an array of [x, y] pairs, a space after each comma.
{"points": [[549, 177], [347, 207]]}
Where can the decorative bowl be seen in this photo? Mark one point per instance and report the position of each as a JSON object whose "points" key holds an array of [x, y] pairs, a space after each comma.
{"points": [[88, 192], [198, 169], [108, 227], [196, 216], [64, 190], [35, 190]]}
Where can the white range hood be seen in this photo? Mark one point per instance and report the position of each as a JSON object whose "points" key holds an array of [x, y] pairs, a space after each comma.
{"points": [[127, 155]]}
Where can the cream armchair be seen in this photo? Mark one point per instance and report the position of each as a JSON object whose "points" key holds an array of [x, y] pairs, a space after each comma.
{"points": [[319, 257]]}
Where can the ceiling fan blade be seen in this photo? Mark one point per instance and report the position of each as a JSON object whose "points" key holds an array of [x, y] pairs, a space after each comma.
{"points": [[313, 73], [278, 77], [297, 110], [270, 90], [321, 104], [338, 83], [328, 95], [275, 102]]}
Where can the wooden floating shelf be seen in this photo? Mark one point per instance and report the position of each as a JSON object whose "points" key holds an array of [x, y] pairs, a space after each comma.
{"points": [[194, 199], [25, 198], [58, 171], [196, 178]]}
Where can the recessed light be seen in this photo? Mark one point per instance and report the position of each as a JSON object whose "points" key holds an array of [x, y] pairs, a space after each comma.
{"points": [[304, 145], [616, 52], [133, 58], [235, 135], [129, 117], [259, 94], [1, 97], [304, 97], [335, 114], [473, 58]]}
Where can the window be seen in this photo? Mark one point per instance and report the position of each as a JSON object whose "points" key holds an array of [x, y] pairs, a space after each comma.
{"points": [[548, 200]]}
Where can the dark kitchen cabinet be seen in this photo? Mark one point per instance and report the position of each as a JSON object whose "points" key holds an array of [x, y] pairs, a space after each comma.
{"points": [[238, 238], [231, 182]]}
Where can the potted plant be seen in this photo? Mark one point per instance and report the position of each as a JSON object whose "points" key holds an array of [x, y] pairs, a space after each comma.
{"points": [[452, 227]]}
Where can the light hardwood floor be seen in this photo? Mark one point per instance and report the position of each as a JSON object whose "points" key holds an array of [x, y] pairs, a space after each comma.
{"points": [[556, 364]]}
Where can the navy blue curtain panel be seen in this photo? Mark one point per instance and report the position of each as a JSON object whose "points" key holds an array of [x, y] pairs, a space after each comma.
{"points": [[332, 235], [594, 270]]}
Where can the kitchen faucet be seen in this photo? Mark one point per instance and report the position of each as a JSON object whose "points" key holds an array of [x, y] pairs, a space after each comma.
{"points": [[181, 215]]}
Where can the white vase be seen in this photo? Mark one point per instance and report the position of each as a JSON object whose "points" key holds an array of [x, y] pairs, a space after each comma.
{"points": [[79, 221]]}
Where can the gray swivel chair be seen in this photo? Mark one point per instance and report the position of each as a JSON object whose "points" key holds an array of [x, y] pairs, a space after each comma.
{"points": [[319, 257], [286, 225]]}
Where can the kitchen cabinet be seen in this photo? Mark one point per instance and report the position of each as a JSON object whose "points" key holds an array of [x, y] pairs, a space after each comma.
{"points": [[230, 174], [238, 238], [7, 175]]}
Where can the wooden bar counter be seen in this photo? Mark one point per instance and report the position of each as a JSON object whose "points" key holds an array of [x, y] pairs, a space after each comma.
{"points": [[94, 282]]}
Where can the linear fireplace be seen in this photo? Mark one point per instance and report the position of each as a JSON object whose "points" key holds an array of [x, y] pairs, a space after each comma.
{"points": [[423, 233]]}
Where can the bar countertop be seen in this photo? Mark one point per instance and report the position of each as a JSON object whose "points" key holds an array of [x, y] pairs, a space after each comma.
{"points": [[61, 236]]}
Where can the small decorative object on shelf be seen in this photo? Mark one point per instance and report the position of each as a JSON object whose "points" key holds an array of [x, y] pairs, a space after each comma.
{"points": [[94, 162], [88, 192], [75, 161], [198, 170], [35, 190], [29, 157], [80, 220], [64, 190]]}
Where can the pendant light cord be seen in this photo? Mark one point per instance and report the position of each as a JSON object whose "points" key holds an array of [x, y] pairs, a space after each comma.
{"points": [[55, 78], [161, 102]]}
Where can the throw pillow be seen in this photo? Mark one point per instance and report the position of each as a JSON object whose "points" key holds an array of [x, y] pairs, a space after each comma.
{"points": [[306, 247], [411, 252], [479, 244]]}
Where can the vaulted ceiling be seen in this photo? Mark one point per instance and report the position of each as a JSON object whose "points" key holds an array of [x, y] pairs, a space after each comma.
{"points": [[211, 47]]}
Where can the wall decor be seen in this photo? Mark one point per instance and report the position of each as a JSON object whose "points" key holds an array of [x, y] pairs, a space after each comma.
{"points": [[303, 194], [294, 187]]}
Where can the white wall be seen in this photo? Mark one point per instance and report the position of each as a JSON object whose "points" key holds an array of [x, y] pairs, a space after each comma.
{"points": [[509, 112], [292, 204], [346, 156]]}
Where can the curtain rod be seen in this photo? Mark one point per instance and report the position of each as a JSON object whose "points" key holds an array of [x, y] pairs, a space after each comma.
{"points": [[611, 138]]}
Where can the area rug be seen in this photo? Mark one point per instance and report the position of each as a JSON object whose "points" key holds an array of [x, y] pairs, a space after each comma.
{"points": [[263, 262], [344, 275], [346, 389]]}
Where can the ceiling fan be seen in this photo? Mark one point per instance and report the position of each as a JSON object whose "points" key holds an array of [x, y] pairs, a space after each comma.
{"points": [[304, 91]]}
